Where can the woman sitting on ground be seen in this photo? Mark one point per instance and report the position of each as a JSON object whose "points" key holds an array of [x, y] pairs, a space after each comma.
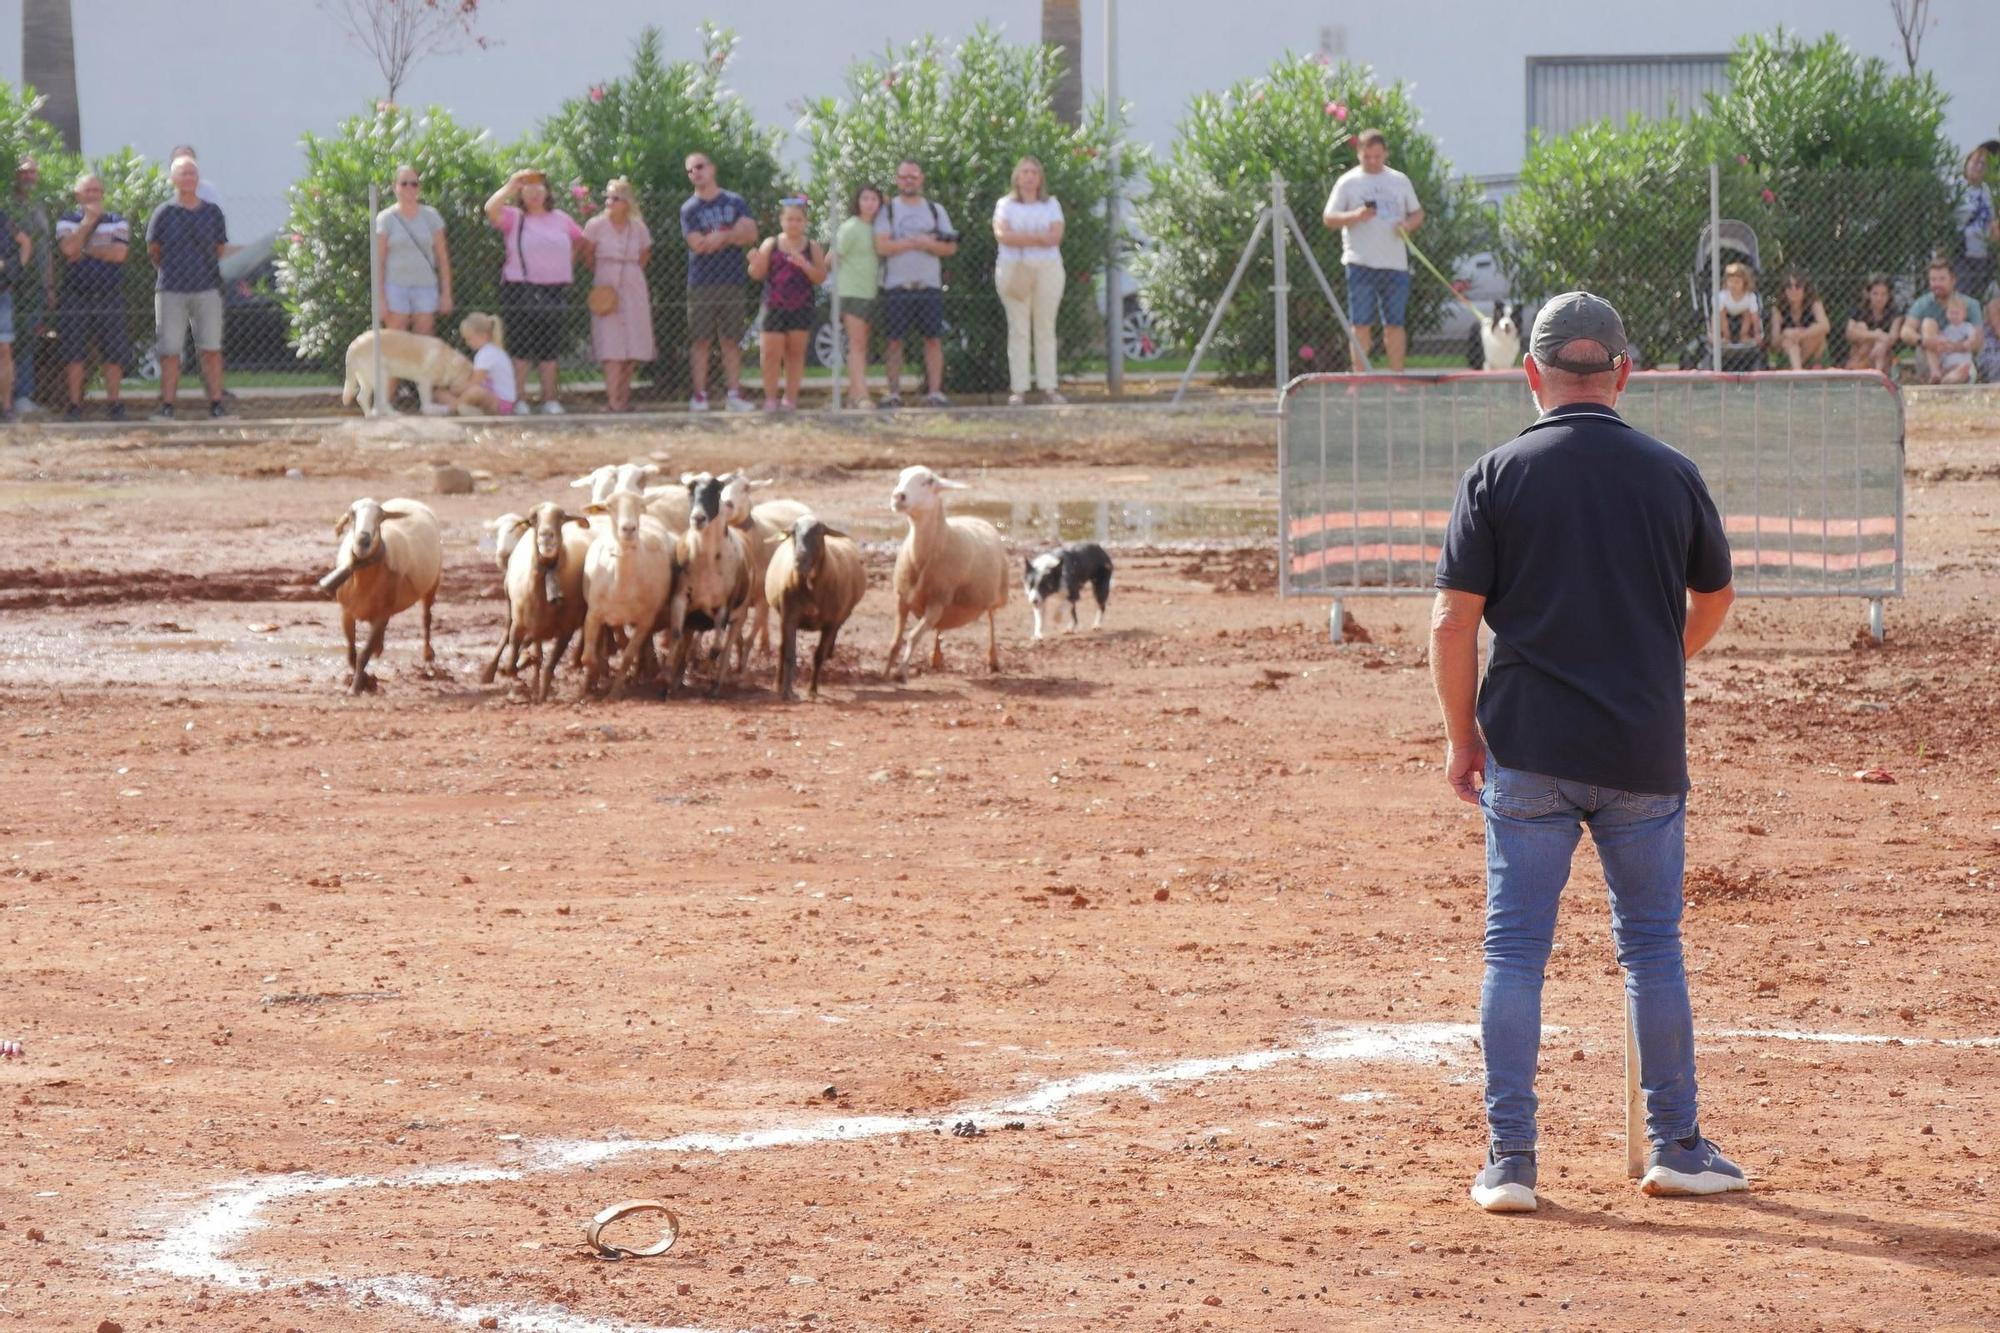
{"points": [[1798, 321], [1871, 327]]}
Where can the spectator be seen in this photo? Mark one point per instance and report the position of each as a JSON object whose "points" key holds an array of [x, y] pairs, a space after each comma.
{"points": [[492, 389], [1928, 310], [416, 263], [914, 237], [790, 266], [185, 239], [1742, 319], [857, 276], [1988, 359], [12, 265], [1798, 321], [541, 244], [1956, 341], [1373, 206], [35, 295], [620, 247], [1871, 327], [1029, 227], [91, 304], [718, 228], [208, 190], [1978, 226]]}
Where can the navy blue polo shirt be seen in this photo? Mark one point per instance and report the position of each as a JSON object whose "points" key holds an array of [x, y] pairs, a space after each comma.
{"points": [[187, 238], [1584, 535]]}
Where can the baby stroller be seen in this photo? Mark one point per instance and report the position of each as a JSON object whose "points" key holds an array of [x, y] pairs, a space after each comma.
{"points": [[1735, 242]]}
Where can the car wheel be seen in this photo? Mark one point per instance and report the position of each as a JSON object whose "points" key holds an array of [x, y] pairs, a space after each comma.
{"points": [[145, 367], [1136, 332], [823, 345]]}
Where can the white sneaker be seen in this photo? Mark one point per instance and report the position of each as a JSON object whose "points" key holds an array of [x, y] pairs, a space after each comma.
{"points": [[1015, 400], [552, 408], [698, 403], [1054, 399], [27, 407], [736, 402]]}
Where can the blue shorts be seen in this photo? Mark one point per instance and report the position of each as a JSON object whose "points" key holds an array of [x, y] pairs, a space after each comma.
{"points": [[419, 299], [103, 322], [907, 310], [6, 317], [1377, 295]]}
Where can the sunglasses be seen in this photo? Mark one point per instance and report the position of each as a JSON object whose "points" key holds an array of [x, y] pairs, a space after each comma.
{"points": [[699, 166]]}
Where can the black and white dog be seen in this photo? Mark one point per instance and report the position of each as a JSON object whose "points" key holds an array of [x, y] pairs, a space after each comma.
{"points": [[1500, 336], [1067, 569]]}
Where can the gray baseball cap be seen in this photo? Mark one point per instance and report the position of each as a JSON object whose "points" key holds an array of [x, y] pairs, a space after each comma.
{"points": [[1571, 316]]}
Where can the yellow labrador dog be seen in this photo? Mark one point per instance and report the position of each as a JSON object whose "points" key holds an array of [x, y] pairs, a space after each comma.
{"points": [[427, 362]]}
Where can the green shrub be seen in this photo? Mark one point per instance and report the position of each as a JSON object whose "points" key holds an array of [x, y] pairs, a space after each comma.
{"points": [[323, 251], [642, 126], [1839, 164], [967, 115], [1295, 120]]}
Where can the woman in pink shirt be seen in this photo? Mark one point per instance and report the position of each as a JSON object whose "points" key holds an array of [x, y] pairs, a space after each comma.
{"points": [[540, 242]]}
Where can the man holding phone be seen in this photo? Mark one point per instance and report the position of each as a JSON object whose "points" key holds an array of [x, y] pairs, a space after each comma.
{"points": [[1373, 206]]}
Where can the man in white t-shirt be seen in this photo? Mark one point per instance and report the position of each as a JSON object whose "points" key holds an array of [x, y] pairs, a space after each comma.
{"points": [[1373, 207]]}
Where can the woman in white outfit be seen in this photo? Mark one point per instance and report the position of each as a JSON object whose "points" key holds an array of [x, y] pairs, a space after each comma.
{"points": [[1029, 227]]}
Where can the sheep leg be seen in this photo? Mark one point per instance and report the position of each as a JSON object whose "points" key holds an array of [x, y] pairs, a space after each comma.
{"points": [[347, 628], [545, 672], [928, 625], [591, 649], [896, 645], [362, 680], [764, 630], [788, 657], [429, 655], [621, 672], [820, 656], [718, 656], [993, 640], [507, 640], [937, 650]]}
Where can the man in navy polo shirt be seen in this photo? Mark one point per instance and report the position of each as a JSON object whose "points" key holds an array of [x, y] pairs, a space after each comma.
{"points": [[1596, 555], [91, 307], [185, 239]]}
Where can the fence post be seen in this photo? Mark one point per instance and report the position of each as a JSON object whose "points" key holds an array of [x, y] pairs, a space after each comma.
{"points": [[1114, 296], [1714, 267], [1280, 289], [379, 405], [839, 346]]}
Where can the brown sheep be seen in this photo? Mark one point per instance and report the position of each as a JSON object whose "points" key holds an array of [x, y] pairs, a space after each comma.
{"points": [[815, 580]]}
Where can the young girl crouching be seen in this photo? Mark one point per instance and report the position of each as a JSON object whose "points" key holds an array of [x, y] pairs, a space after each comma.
{"points": [[490, 391]]}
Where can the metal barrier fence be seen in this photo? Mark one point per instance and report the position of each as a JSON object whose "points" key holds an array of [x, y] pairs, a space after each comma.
{"points": [[1806, 468]]}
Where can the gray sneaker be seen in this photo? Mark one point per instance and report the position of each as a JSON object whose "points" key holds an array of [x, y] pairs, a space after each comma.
{"points": [[1506, 1184], [1702, 1169]]}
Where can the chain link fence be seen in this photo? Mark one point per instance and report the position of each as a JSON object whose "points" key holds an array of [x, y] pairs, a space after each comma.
{"points": [[1648, 251]]}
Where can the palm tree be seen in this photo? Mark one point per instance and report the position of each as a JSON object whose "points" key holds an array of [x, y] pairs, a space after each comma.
{"points": [[1062, 28], [48, 65]]}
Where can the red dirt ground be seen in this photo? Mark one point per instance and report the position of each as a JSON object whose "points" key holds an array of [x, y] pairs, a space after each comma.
{"points": [[255, 927]]}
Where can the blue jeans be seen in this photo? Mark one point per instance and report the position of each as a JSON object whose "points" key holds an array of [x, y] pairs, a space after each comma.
{"points": [[1533, 824], [1377, 295]]}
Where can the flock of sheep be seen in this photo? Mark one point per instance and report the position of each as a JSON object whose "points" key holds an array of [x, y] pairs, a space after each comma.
{"points": [[643, 570]]}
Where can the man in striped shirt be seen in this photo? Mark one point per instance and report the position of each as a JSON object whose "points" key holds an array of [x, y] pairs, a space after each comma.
{"points": [[90, 304]]}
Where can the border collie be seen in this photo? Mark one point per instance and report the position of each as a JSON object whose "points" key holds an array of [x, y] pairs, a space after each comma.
{"points": [[1067, 569], [1500, 336]]}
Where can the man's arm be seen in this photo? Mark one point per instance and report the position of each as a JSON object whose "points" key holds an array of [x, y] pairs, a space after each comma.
{"points": [[26, 244], [1455, 677], [1706, 612], [742, 232], [1412, 220], [74, 243]]}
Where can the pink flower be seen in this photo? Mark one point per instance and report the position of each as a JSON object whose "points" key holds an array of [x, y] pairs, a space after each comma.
{"points": [[1257, 96], [1769, 198], [597, 92], [1338, 110], [1306, 352], [588, 208], [1743, 159], [1324, 58], [579, 192], [385, 105], [298, 238]]}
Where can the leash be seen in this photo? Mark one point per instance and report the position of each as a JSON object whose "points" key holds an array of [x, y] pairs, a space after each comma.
{"points": [[1457, 295]]}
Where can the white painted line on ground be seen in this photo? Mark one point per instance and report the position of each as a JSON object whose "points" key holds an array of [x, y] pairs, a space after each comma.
{"points": [[195, 1246]]}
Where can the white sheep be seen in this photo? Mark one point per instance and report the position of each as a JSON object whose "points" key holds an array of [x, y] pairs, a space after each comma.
{"points": [[389, 559], [508, 530], [545, 597], [949, 572], [627, 577], [815, 581], [711, 581]]}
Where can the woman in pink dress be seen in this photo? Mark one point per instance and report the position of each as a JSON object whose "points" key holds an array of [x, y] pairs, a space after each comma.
{"points": [[620, 246]]}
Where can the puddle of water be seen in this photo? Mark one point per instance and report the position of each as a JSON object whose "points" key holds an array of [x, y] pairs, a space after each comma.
{"points": [[1112, 522]]}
